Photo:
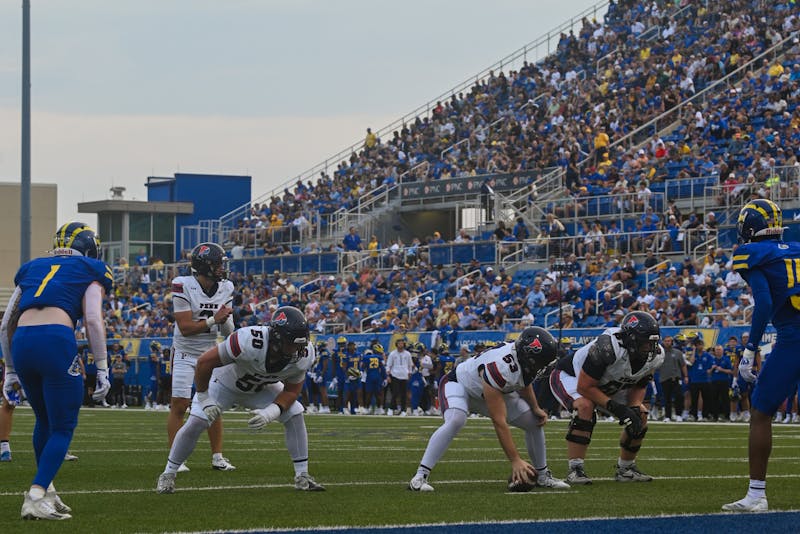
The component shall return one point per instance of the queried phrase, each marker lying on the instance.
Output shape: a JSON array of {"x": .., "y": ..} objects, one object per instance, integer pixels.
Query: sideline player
[
  {"x": 201, "y": 303},
  {"x": 772, "y": 269},
  {"x": 258, "y": 367},
  {"x": 497, "y": 384},
  {"x": 621, "y": 359},
  {"x": 51, "y": 294}
]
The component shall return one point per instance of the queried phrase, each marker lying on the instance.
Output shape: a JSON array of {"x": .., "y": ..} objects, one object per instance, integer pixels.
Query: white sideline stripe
[
  {"x": 323, "y": 528},
  {"x": 400, "y": 484}
]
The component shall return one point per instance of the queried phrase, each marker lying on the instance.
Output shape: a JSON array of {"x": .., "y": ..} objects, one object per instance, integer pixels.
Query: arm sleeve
[
  {"x": 95, "y": 326},
  {"x": 5, "y": 338},
  {"x": 600, "y": 356},
  {"x": 763, "y": 305}
]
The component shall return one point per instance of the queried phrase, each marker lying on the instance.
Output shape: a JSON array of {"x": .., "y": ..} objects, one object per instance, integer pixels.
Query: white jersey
[
  {"x": 607, "y": 355},
  {"x": 244, "y": 355},
  {"x": 498, "y": 367},
  {"x": 188, "y": 295}
]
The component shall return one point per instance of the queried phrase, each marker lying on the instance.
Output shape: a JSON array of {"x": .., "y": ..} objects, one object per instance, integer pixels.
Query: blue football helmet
[
  {"x": 76, "y": 238},
  {"x": 759, "y": 219}
]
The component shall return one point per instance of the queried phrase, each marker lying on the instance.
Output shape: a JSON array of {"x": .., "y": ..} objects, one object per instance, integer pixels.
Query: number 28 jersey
[
  {"x": 244, "y": 357},
  {"x": 497, "y": 367},
  {"x": 188, "y": 294}
]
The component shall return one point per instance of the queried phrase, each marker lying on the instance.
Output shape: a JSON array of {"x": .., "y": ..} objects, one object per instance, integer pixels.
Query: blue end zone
[{"x": 728, "y": 523}]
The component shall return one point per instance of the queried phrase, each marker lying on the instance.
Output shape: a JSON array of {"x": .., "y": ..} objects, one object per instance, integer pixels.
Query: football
[
  {"x": 353, "y": 373},
  {"x": 519, "y": 487}
]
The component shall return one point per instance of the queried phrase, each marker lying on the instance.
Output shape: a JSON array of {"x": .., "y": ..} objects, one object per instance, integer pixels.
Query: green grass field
[{"x": 366, "y": 462}]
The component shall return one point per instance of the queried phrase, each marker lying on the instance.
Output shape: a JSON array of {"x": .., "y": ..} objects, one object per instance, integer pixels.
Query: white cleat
[
  {"x": 547, "y": 480},
  {"x": 166, "y": 483},
  {"x": 40, "y": 509},
  {"x": 70, "y": 457},
  {"x": 419, "y": 483},
  {"x": 57, "y": 503},
  {"x": 747, "y": 505},
  {"x": 305, "y": 482},
  {"x": 223, "y": 464},
  {"x": 183, "y": 468}
]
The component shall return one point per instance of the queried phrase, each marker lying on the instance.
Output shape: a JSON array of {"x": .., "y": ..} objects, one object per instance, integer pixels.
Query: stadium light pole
[{"x": 25, "y": 164}]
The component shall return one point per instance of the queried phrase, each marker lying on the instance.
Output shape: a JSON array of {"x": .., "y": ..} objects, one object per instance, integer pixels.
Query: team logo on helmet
[
  {"x": 536, "y": 345},
  {"x": 203, "y": 250},
  {"x": 633, "y": 321},
  {"x": 280, "y": 319}
]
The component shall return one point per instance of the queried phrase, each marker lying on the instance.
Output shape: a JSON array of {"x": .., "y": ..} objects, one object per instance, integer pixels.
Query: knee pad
[
  {"x": 585, "y": 425},
  {"x": 626, "y": 443}
]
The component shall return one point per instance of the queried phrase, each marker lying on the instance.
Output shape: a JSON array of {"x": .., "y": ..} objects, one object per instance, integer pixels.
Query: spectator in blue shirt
[{"x": 721, "y": 373}]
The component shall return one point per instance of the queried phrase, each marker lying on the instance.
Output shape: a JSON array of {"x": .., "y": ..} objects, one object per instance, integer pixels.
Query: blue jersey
[
  {"x": 60, "y": 281},
  {"x": 165, "y": 363},
  {"x": 772, "y": 269},
  {"x": 373, "y": 365},
  {"x": 350, "y": 362},
  {"x": 446, "y": 364}
]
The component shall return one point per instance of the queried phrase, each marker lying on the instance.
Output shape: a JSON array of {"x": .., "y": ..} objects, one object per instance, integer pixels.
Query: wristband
[{"x": 210, "y": 322}]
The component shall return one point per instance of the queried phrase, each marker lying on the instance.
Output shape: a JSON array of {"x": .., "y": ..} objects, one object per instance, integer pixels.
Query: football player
[
  {"x": 351, "y": 363},
  {"x": 497, "y": 384},
  {"x": 202, "y": 306},
  {"x": 51, "y": 294},
  {"x": 154, "y": 363},
  {"x": 622, "y": 359},
  {"x": 164, "y": 379},
  {"x": 772, "y": 269},
  {"x": 372, "y": 365},
  {"x": 259, "y": 367}
]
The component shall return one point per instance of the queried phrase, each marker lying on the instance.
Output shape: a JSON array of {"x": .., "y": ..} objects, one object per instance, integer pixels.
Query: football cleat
[
  {"x": 5, "y": 456},
  {"x": 57, "y": 503},
  {"x": 305, "y": 482},
  {"x": 222, "y": 464},
  {"x": 40, "y": 509},
  {"x": 577, "y": 475},
  {"x": 183, "y": 468},
  {"x": 747, "y": 505},
  {"x": 419, "y": 483},
  {"x": 166, "y": 483},
  {"x": 631, "y": 474},
  {"x": 547, "y": 480},
  {"x": 70, "y": 457}
]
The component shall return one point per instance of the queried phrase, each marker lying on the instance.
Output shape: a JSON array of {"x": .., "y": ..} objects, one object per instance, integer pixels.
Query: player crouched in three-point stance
[
  {"x": 621, "y": 359},
  {"x": 772, "y": 269},
  {"x": 497, "y": 384},
  {"x": 37, "y": 335},
  {"x": 259, "y": 367},
  {"x": 202, "y": 308}
]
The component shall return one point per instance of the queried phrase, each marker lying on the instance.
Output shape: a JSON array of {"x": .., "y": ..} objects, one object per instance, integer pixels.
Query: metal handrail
[
  {"x": 560, "y": 309},
  {"x": 419, "y": 298},
  {"x": 606, "y": 287},
  {"x": 654, "y": 268}
]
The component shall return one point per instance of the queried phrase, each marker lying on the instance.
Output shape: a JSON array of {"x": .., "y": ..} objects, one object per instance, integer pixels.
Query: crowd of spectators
[{"x": 568, "y": 110}]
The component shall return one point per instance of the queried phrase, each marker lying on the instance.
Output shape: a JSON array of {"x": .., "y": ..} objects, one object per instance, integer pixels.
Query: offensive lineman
[
  {"x": 624, "y": 359},
  {"x": 497, "y": 384},
  {"x": 201, "y": 304},
  {"x": 258, "y": 367}
]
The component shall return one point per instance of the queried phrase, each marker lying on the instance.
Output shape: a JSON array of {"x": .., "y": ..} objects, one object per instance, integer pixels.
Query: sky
[{"x": 126, "y": 89}]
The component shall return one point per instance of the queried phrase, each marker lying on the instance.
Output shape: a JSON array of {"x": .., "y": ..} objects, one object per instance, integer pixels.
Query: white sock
[
  {"x": 216, "y": 456},
  {"x": 574, "y": 463},
  {"x": 625, "y": 463},
  {"x": 757, "y": 489},
  {"x": 36, "y": 492},
  {"x": 4, "y": 446}
]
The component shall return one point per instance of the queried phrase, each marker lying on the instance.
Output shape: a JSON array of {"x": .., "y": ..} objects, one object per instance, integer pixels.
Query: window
[
  {"x": 139, "y": 227},
  {"x": 164, "y": 227}
]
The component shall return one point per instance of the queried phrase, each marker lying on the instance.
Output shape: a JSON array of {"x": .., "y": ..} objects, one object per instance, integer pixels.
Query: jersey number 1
[
  {"x": 792, "y": 277},
  {"x": 53, "y": 270}
]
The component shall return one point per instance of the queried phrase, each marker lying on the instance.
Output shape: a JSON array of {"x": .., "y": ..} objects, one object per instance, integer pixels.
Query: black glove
[{"x": 628, "y": 417}]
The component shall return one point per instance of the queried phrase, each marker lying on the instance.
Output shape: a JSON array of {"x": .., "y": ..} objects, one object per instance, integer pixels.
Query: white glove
[
  {"x": 209, "y": 406},
  {"x": 102, "y": 387},
  {"x": 263, "y": 417},
  {"x": 12, "y": 389},
  {"x": 746, "y": 365},
  {"x": 318, "y": 379}
]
